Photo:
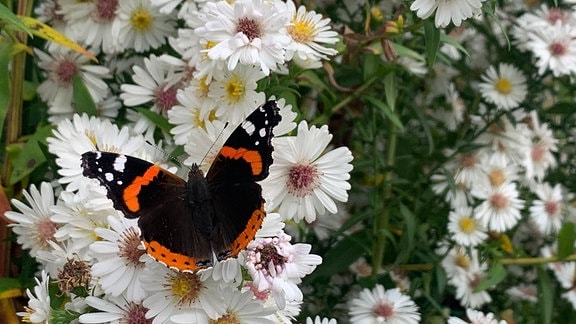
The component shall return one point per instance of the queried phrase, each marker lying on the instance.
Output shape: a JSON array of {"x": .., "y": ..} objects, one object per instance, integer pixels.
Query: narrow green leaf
[
  {"x": 5, "y": 56},
  {"x": 390, "y": 90},
  {"x": 545, "y": 296},
  {"x": 7, "y": 284},
  {"x": 566, "y": 239},
  {"x": 158, "y": 120},
  {"x": 12, "y": 21},
  {"x": 495, "y": 275},
  {"x": 31, "y": 156},
  {"x": 562, "y": 107},
  {"x": 406, "y": 52},
  {"x": 82, "y": 98},
  {"x": 407, "y": 243},
  {"x": 386, "y": 111},
  {"x": 432, "y": 36},
  {"x": 446, "y": 39}
]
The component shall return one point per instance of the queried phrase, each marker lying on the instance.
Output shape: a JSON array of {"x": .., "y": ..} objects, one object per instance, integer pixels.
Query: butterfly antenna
[
  {"x": 214, "y": 143},
  {"x": 170, "y": 156}
]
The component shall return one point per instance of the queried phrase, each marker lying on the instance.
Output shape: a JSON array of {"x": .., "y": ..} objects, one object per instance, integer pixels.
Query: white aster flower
[
  {"x": 464, "y": 228},
  {"x": 546, "y": 211},
  {"x": 82, "y": 134},
  {"x": 117, "y": 259},
  {"x": 238, "y": 307},
  {"x": 276, "y": 265},
  {"x": 476, "y": 317},
  {"x": 383, "y": 306},
  {"x": 191, "y": 112},
  {"x": 114, "y": 310},
  {"x": 171, "y": 293},
  {"x": 308, "y": 31},
  {"x": 447, "y": 11},
  {"x": 140, "y": 26},
  {"x": 235, "y": 92},
  {"x": 303, "y": 181},
  {"x": 554, "y": 48},
  {"x": 505, "y": 87},
  {"x": 61, "y": 67},
  {"x": 248, "y": 32},
  {"x": 527, "y": 292},
  {"x": 38, "y": 309},
  {"x": 320, "y": 320},
  {"x": 500, "y": 210},
  {"x": 33, "y": 226},
  {"x": 539, "y": 157}
]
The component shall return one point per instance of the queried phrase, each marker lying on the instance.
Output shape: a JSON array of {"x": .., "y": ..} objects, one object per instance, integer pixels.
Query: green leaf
[
  {"x": 7, "y": 284},
  {"x": 566, "y": 239},
  {"x": 5, "y": 57},
  {"x": 157, "y": 119},
  {"x": 31, "y": 155},
  {"x": 495, "y": 275},
  {"x": 407, "y": 243},
  {"x": 390, "y": 90},
  {"x": 406, "y": 52},
  {"x": 341, "y": 255},
  {"x": 432, "y": 36},
  {"x": 386, "y": 111},
  {"x": 562, "y": 107},
  {"x": 446, "y": 39},
  {"x": 12, "y": 21},
  {"x": 82, "y": 98},
  {"x": 545, "y": 296}
]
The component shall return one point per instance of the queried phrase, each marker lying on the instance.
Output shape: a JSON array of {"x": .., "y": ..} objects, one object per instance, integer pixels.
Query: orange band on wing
[
  {"x": 252, "y": 157},
  {"x": 131, "y": 192},
  {"x": 249, "y": 233},
  {"x": 174, "y": 260}
]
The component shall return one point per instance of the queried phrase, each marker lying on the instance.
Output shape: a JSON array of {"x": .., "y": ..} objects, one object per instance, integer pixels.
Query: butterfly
[{"x": 187, "y": 225}]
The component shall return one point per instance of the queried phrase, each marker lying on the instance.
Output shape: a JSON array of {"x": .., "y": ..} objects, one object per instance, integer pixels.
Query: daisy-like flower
[
  {"x": 524, "y": 292},
  {"x": 82, "y": 134},
  {"x": 276, "y": 265},
  {"x": 190, "y": 113},
  {"x": 114, "y": 310},
  {"x": 539, "y": 157},
  {"x": 118, "y": 253},
  {"x": 465, "y": 229},
  {"x": 33, "y": 224},
  {"x": 171, "y": 293},
  {"x": 466, "y": 289},
  {"x": 383, "y": 306},
  {"x": 61, "y": 66},
  {"x": 308, "y": 30},
  {"x": 248, "y": 32},
  {"x": 38, "y": 309},
  {"x": 235, "y": 92},
  {"x": 141, "y": 26},
  {"x": 239, "y": 307},
  {"x": 476, "y": 317},
  {"x": 303, "y": 182},
  {"x": 447, "y": 11},
  {"x": 501, "y": 207},
  {"x": 505, "y": 87},
  {"x": 320, "y": 320},
  {"x": 554, "y": 48},
  {"x": 546, "y": 211}
]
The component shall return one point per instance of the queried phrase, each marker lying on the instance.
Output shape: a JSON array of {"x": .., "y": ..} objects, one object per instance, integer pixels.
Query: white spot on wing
[
  {"x": 109, "y": 176},
  {"x": 262, "y": 132},
  {"x": 119, "y": 163},
  {"x": 248, "y": 127}
]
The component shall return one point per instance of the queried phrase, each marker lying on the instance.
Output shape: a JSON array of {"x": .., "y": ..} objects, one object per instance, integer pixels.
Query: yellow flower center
[
  {"x": 467, "y": 224},
  {"x": 226, "y": 319},
  {"x": 302, "y": 31},
  {"x": 141, "y": 19},
  {"x": 462, "y": 261},
  {"x": 235, "y": 88},
  {"x": 496, "y": 177},
  {"x": 185, "y": 286},
  {"x": 503, "y": 86}
]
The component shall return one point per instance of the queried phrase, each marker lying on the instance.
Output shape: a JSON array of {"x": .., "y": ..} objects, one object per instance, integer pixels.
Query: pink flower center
[
  {"x": 556, "y": 14},
  {"x": 249, "y": 27},
  {"x": 65, "y": 72},
  {"x": 499, "y": 201},
  {"x": 105, "y": 11},
  {"x": 46, "y": 229},
  {"x": 384, "y": 309},
  {"x": 166, "y": 97},
  {"x": 558, "y": 49},
  {"x": 552, "y": 207},
  {"x": 270, "y": 254},
  {"x": 136, "y": 314},
  {"x": 537, "y": 153},
  {"x": 129, "y": 244},
  {"x": 302, "y": 180}
]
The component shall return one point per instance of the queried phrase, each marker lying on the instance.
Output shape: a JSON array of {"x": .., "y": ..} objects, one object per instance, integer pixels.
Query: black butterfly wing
[
  {"x": 159, "y": 198},
  {"x": 236, "y": 197}
]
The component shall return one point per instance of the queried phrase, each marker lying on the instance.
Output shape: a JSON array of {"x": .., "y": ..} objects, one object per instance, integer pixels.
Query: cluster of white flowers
[{"x": 219, "y": 54}]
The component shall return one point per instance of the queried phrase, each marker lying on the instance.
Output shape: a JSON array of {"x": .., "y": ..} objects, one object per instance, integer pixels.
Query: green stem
[{"x": 14, "y": 115}]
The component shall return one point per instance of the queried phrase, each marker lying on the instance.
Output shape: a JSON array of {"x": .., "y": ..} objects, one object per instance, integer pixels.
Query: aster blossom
[
  {"x": 305, "y": 180},
  {"x": 447, "y": 11},
  {"x": 505, "y": 87},
  {"x": 383, "y": 306}
]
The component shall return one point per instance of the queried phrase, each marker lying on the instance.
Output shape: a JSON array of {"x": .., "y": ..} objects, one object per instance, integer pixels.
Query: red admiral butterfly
[{"x": 188, "y": 224}]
